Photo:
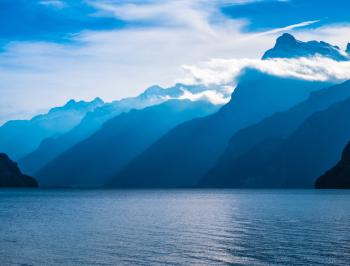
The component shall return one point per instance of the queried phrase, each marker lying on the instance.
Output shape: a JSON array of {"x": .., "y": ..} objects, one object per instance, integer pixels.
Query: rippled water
[{"x": 175, "y": 227}]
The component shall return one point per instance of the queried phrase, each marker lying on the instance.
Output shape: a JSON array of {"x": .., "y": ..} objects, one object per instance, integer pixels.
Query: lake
[{"x": 174, "y": 227}]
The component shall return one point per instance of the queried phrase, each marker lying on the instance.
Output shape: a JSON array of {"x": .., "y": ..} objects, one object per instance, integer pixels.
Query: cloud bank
[{"x": 226, "y": 71}]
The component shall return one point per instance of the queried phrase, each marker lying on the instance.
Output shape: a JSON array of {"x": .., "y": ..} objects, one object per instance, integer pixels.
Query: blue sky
[
  {"x": 57, "y": 20},
  {"x": 275, "y": 14},
  {"x": 57, "y": 50},
  {"x": 31, "y": 20}
]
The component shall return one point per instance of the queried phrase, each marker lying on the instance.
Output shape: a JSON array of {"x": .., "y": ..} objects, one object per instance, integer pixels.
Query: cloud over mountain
[{"x": 223, "y": 71}]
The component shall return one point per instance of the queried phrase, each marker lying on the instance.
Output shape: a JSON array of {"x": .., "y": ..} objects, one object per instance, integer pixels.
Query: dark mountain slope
[
  {"x": 279, "y": 125},
  {"x": 11, "y": 176},
  {"x": 295, "y": 161},
  {"x": 338, "y": 176}
]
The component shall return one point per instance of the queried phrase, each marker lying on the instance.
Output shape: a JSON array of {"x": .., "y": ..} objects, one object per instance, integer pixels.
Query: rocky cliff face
[
  {"x": 339, "y": 175},
  {"x": 11, "y": 175}
]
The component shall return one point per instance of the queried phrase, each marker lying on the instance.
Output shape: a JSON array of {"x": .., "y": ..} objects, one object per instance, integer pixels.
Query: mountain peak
[
  {"x": 287, "y": 46},
  {"x": 155, "y": 89},
  {"x": 81, "y": 104},
  {"x": 286, "y": 40},
  {"x": 71, "y": 102},
  {"x": 97, "y": 100}
]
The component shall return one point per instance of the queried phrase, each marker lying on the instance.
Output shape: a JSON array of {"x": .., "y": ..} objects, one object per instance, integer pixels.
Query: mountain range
[
  {"x": 93, "y": 161},
  {"x": 19, "y": 137},
  {"x": 52, "y": 147},
  {"x": 198, "y": 144},
  {"x": 273, "y": 132}
]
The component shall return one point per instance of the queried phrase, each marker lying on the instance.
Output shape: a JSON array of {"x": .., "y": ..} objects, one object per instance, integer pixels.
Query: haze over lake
[{"x": 175, "y": 227}]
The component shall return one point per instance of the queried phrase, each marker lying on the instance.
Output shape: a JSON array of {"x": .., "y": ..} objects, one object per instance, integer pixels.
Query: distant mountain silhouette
[
  {"x": 20, "y": 137},
  {"x": 50, "y": 148},
  {"x": 263, "y": 135},
  {"x": 338, "y": 176},
  {"x": 187, "y": 152},
  {"x": 294, "y": 161},
  {"x": 174, "y": 153},
  {"x": 288, "y": 47},
  {"x": 11, "y": 176},
  {"x": 93, "y": 161}
]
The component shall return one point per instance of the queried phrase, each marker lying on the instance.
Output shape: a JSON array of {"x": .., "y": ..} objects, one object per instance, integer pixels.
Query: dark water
[{"x": 184, "y": 227}]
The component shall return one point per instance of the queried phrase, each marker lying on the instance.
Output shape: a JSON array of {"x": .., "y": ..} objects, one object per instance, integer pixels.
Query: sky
[{"x": 55, "y": 50}]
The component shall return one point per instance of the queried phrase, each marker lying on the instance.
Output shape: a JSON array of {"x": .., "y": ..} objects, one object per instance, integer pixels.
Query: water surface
[{"x": 175, "y": 227}]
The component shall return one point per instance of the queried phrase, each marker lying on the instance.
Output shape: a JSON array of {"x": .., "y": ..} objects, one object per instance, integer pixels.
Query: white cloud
[
  {"x": 214, "y": 96},
  {"x": 224, "y": 71},
  {"x": 288, "y": 28},
  {"x": 165, "y": 13}
]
